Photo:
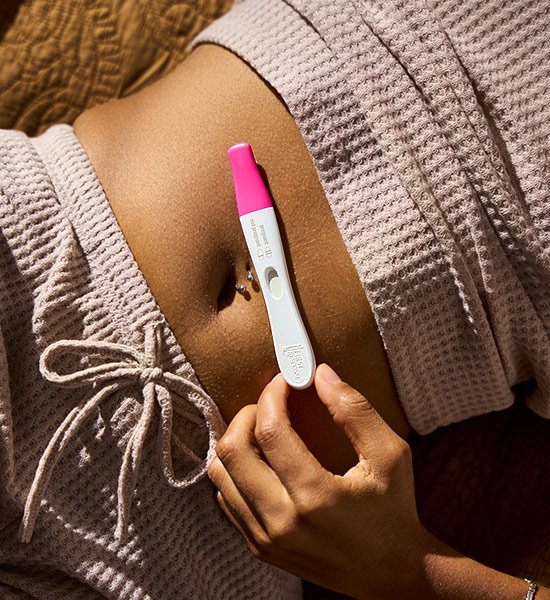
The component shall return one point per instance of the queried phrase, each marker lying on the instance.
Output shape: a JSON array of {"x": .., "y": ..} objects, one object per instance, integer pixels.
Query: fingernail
[{"x": 326, "y": 373}]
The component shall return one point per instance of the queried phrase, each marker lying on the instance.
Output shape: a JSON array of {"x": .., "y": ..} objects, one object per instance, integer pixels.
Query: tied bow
[{"x": 123, "y": 367}]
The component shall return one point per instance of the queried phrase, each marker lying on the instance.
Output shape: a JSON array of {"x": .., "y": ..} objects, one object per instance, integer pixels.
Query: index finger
[{"x": 283, "y": 448}]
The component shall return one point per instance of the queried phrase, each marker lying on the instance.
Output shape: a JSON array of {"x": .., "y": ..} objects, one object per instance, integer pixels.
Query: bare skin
[
  {"x": 161, "y": 156},
  {"x": 359, "y": 533}
]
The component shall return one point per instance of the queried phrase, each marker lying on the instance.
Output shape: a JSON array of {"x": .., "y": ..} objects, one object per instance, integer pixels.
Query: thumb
[{"x": 352, "y": 412}]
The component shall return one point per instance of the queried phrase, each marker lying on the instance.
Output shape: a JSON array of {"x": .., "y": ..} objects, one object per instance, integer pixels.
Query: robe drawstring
[{"x": 123, "y": 367}]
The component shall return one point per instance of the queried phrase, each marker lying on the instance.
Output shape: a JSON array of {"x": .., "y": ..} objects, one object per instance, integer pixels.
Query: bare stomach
[{"x": 161, "y": 156}]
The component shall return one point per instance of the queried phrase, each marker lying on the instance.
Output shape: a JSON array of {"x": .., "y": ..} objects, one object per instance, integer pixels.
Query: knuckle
[
  {"x": 267, "y": 433},
  {"x": 227, "y": 449},
  {"x": 352, "y": 402},
  {"x": 405, "y": 450},
  {"x": 283, "y": 530},
  {"x": 213, "y": 469},
  {"x": 399, "y": 450},
  {"x": 238, "y": 434},
  {"x": 316, "y": 499},
  {"x": 307, "y": 508},
  {"x": 246, "y": 412},
  {"x": 216, "y": 476},
  {"x": 398, "y": 466}
]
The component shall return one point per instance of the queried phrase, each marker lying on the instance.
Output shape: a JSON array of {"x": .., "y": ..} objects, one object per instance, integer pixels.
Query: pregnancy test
[{"x": 259, "y": 223}]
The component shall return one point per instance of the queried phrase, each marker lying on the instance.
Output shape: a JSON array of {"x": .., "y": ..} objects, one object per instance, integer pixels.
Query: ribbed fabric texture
[
  {"x": 93, "y": 381},
  {"x": 428, "y": 123}
]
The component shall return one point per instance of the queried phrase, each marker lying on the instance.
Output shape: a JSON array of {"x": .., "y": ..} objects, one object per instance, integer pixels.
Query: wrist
[
  {"x": 406, "y": 575},
  {"x": 448, "y": 575}
]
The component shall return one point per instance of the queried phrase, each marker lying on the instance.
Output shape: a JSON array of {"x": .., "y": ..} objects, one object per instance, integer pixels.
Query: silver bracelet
[{"x": 532, "y": 591}]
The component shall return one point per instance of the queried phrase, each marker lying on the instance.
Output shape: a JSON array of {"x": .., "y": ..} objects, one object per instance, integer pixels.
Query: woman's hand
[{"x": 358, "y": 533}]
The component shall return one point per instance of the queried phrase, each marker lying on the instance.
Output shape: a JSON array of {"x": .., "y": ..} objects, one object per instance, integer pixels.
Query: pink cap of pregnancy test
[{"x": 250, "y": 189}]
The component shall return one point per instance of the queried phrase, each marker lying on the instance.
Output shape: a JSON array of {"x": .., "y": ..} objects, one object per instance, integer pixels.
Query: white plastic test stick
[{"x": 259, "y": 223}]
